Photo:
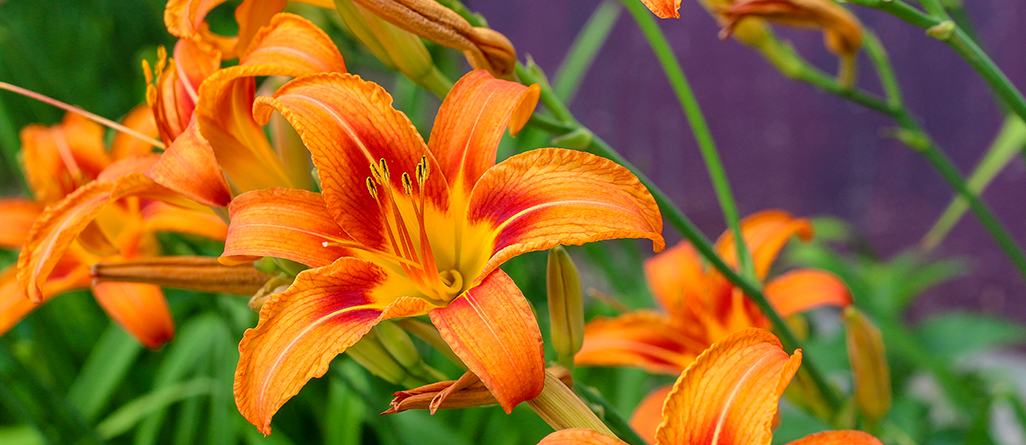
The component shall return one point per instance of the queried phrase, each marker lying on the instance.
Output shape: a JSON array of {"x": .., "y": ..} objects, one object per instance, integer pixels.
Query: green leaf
[
  {"x": 21, "y": 435},
  {"x": 135, "y": 411},
  {"x": 108, "y": 364},
  {"x": 956, "y": 334},
  {"x": 584, "y": 49}
]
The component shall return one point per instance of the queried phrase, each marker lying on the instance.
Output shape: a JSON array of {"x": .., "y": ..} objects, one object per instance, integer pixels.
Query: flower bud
[
  {"x": 184, "y": 272},
  {"x": 398, "y": 344},
  {"x": 566, "y": 305},
  {"x": 466, "y": 392},
  {"x": 370, "y": 354},
  {"x": 872, "y": 379}
]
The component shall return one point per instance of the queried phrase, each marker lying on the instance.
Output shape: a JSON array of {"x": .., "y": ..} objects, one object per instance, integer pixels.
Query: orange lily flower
[
  {"x": 728, "y": 396},
  {"x": 703, "y": 307},
  {"x": 405, "y": 228},
  {"x": 63, "y": 165},
  {"x": 205, "y": 113}
]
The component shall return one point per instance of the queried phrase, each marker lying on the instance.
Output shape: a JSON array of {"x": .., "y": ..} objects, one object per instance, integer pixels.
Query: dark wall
[{"x": 786, "y": 145}]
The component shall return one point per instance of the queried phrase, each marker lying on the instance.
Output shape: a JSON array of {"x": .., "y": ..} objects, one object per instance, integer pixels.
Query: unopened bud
[
  {"x": 370, "y": 354},
  {"x": 466, "y": 392},
  {"x": 871, "y": 375},
  {"x": 184, "y": 272},
  {"x": 273, "y": 286},
  {"x": 398, "y": 344},
  {"x": 566, "y": 305}
]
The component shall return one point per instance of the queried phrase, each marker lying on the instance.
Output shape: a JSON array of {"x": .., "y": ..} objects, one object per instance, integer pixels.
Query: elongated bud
[
  {"x": 395, "y": 47},
  {"x": 872, "y": 377},
  {"x": 273, "y": 286},
  {"x": 566, "y": 305},
  {"x": 562, "y": 409},
  {"x": 483, "y": 47},
  {"x": 398, "y": 344},
  {"x": 184, "y": 272}
]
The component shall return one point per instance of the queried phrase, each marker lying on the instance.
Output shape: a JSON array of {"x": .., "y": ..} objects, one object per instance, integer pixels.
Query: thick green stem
[{"x": 682, "y": 88}]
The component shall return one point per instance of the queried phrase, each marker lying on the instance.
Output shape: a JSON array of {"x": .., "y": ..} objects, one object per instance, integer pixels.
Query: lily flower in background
[
  {"x": 65, "y": 164},
  {"x": 702, "y": 306},
  {"x": 205, "y": 113},
  {"x": 745, "y": 19},
  {"x": 403, "y": 228},
  {"x": 729, "y": 395}
]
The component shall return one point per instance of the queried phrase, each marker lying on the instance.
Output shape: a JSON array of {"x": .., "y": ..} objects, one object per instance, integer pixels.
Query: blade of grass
[
  {"x": 130, "y": 414},
  {"x": 108, "y": 364},
  {"x": 583, "y": 50}
]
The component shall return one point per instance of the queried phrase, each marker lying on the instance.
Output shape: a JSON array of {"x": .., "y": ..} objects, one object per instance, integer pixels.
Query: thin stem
[
  {"x": 609, "y": 415},
  {"x": 671, "y": 66},
  {"x": 584, "y": 49},
  {"x": 73, "y": 109}
]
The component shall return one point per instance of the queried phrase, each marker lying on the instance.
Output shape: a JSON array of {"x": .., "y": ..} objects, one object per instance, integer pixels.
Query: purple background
[{"x": 786, "y": 145}]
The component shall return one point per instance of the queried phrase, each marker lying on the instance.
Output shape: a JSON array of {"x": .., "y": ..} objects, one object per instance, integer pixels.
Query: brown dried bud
[
  {"x": 466, "y": 392},
  {"x": 184, "y": 272}
]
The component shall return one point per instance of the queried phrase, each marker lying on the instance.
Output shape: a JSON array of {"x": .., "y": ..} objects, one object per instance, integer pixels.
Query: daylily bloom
[
  {"x": 65, "y": 164},
  {"x": 702, "y": 307},
  {"x": 205, "y": 113},
  {"x": 403, "y": 228},
  {"x": 728, "y": 396}
]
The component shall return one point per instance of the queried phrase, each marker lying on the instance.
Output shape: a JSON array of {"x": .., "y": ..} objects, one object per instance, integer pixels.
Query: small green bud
[
  {"x": 566, "y": 305},
  {"x": 370, "y": 354},
  {"x": 398, "y": 344},
  {"x": 942, "y": 30}
]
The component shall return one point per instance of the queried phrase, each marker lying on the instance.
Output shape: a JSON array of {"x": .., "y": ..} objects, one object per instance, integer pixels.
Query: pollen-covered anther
[{"x": 407, "y": 185}]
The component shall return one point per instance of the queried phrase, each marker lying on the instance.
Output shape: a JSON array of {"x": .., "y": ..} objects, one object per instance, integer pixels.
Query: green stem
[
  {"x": 609, "y": 415},
  {"x": 682, "y": 88}
]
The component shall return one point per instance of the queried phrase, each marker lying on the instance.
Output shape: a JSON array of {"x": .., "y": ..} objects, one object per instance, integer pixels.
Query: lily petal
[
  {"x": 765, "y": 233},
  {"x": 645, "y": 339},
  {"x": 676, "y": 278},
  {"x": 648, "y": 414},
  {"x": 551, "y": 196},
  {"x": 302, "y": 329},
  {"x": 471, "y": 122},
  {"x": 61, "y": 158},
  {"x": 283, "y": 223},
  {"x": 251, "y": 16},
  {"x": 139, "y": 308},
  {"x": 289, "y": 46},
  {"x": 186, "y": 19},
  {"x": 492, "y": 328},
  {"x": 664, "y": 9},
  {"x": 161, "y": 217},
  {"x": 189, "y": 167},
  {"x": 579, "y": 436},
  {"x": 730, "y": 394},
  {"x": 843, "y": 437},
  {"x": 349, "y": 124},
  {"x": 800, "y": 290},
  {"x": 17, "y": 215},
  {"x": 58, "y": 226}
]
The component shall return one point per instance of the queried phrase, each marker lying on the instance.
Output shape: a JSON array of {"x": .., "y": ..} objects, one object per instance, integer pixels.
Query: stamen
[
  {"x": 73, "y": 109},
  {"x": 372, "y": 188},
  {"x": 384, "y": 168}
]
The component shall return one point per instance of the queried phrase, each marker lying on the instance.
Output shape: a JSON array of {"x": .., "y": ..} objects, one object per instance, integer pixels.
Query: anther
[
  {"x": 407, "y": 185},
  {"x": 372, "y": 188},
  {"x": 384, "y": 168}
]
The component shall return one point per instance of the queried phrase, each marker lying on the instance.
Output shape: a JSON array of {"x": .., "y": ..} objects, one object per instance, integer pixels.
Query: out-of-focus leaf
[
  {"x": 343, "y": 415},
  {"x": 956, "y": 334},
  {"x": 188, "y": 421},
  {"x": 104, "y": 370},
  {"x": 122, "y": 420},
  {"x": 582, "y": 52},
  {"x": 21, "y": 435}
]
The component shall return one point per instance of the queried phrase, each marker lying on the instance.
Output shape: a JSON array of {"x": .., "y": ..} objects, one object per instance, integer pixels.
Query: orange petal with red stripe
[
  {"x": 139, "y": 308},
  {"x": 645, "y": 339},
  {"x": 283, "y": 223},
  {"x": 302, "y": 329},
  {"x": 676, "y": 278},
  {"x": 730, "y": 394},
  {"x": 551, "y": 196},
  {"x": 648, "y": 415},
  {"x": 492, "y": 328},
  {"x": 349, "y": 124},
  {"x": 18, "y": 214},
  {"x": 579, "y": 436},
  {"x": 800, "y": 290},
  {"x": 843, "y": 437},
  {"x": 471, "y": 121}
]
